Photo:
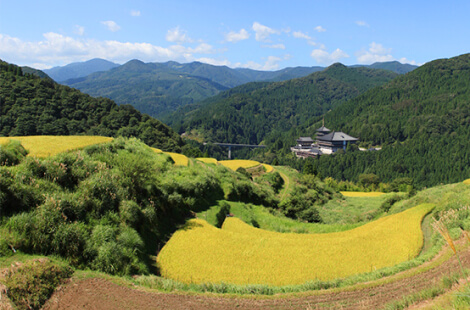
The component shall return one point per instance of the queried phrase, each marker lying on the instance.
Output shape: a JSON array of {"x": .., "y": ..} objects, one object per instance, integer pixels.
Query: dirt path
[
  {"x": 285, "y": 190},
  {"x": 98, "y": 293}
]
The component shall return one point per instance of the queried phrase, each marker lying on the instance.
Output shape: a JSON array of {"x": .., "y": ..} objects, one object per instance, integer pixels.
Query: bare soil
[{"x": 98, "y": 293}]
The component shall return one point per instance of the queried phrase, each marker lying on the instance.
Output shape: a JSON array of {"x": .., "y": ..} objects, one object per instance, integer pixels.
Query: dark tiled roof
[
  {"x": 305, "y": 139},
  {"x": 337, "y": 136},
  {"x": 323, "y": 128}
]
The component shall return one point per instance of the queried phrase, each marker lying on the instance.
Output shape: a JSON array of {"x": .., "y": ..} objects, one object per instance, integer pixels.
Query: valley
[{"x": 124, "y": 209}]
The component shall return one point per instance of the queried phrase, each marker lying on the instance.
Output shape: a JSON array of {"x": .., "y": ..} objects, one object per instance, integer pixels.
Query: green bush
[
  {"x": 130, "y": 213},
  {"x": 388, "y": 203},
  {"x": 222, "y": 214},
  {"x": 29, "y": 285},
  {"x": 12, "y": 153}
]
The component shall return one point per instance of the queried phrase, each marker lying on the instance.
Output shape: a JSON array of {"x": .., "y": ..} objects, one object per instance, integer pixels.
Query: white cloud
[
  {"x": 323, "y": 57},
  {"x": 215, "y": 62},
  {"x": 375, "y": 53},
  {"x": 177, "y": 35},
  {"x": 233, "y": 36},
  {"x": 272, "y": 63},
  {"x": 301, "y": 35},
  {"x": 378, "y": 53},
  {"x": 362, "y": 23},
  {"x": 112, "y": 26},
  {"x": 320, "y": 29},
  {"x": 262, "y": 32},
  {"x": 404, "y": 60},
  {"x": 56, "y": 49},
  {"x": 276, "y": 46},
  {"x": 135, "y": 13},
  {"x": 80, "y": 30}
]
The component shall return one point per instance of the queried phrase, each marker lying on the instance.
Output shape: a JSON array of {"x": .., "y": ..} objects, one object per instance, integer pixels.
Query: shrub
[
  {"x": 29, "y": 285},
  {"x": 12, "y": 153},
  {"x": 15, "y": 195},
  {"x": 130, "y": 213},
  {"x": 222, "y": 214},
  {"x": 388, "y": 203}
]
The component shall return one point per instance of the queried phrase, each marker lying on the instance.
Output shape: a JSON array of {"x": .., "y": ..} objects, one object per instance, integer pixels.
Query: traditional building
[
  {"x": 327, "y": 142},
  {"x": 334, "y": 141}
]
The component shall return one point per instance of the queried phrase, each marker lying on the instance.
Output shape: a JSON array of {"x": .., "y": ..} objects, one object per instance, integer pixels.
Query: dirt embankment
[{"x": 102, "y": 294}]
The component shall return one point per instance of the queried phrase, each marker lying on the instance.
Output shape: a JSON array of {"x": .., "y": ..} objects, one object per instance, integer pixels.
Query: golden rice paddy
[
  {"x": 467, "y": 181},
  {"x": 268, "y": 168},
  {"x": 241, "y": 254},
  {"x": 207, "y": 160},
  {"x": 236, "y": 163},
  {"x": 362, "y": 194},
  {"x": 179, "y": 159},
  {"x": 43, "y": 146}
]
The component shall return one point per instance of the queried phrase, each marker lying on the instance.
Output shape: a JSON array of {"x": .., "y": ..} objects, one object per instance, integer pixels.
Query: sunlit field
[
  {"x": 268, "y": 168},
  {"x": 179, "y": 159},
  {"x": 237, "y": 163},
  {"x": 43, "y": 146},
  {"x": 241, "y": 254},
  {"x": 362, "y": 194},
  {"x": 207, "y": 160}
]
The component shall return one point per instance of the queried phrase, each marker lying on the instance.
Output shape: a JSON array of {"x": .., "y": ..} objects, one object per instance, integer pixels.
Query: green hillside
[
  {"x": 30, "y": 105},
  {"x": 254, "y": 112},
  {"x": 422, "y": 120},
  {"x": 79, "y": 69},
  {"x": 154, "y": 89}
]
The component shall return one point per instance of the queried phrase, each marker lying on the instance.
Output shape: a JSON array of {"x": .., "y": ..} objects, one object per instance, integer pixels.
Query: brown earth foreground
[{"x": 97, "y": 293}]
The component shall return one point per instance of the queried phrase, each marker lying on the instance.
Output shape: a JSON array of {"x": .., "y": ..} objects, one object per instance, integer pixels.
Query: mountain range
[
  {"x": 160, "y": 88},
  {"x": 79, "y": 69}
]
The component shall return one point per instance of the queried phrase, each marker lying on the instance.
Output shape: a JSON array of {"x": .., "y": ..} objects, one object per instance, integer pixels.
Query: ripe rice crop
[
  {"x": 268, "y": 168},
  {"x": 467, "y": 181},
  {"x": 207, "y": 160},
  {"x": 179, "y": 159},
  {"x": 235, "y": 164},
  {"x": 241, "y": 254},
  {"x": 43, "y": 146},
  {"x": 362, "y": 194}
]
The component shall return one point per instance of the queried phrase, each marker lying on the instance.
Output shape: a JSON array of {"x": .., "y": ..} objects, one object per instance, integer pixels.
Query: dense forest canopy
[
  {"x": 422, "y": 120},
  {"x": 30, "y": 105},
  {"x": 253, "y": 115}
]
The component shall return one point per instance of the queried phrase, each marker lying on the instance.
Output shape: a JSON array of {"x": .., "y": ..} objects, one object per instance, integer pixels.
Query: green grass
[
  {"x": 273, "y": 221},
  {"x": 352, "y": 209}
]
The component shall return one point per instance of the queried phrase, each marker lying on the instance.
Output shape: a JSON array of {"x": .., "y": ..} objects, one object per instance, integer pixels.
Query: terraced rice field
[
  {"x": 241, "y": 254},
  {"x": 362, "y": 194},
  {"x": 207, "y": 160},
  {"x": 179, "y": 159},
  {"x": 43, "y": 146},
  {"x": 236, "y": 163}
]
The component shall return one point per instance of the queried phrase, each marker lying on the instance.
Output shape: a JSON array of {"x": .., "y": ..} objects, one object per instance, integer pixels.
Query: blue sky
[{"x": 263, "y": 35}]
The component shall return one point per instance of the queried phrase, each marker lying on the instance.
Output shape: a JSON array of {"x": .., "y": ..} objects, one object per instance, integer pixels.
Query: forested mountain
[
  {"x": 394, "y": 66},
  {"x": 422, "y": 120},
  {"x": 30, "y": 105},
  {"x": 151, "y": 88},
  {"x": 160, "y": 88},
  {"x": 254, "y": 112},
  {"x": 79, "y": 69}
]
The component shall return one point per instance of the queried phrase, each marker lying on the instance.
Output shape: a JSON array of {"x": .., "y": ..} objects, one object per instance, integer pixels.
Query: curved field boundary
[
  {"x": 207, "y": 160},
  {"x": 179, "y": 159},
  {"x": 268, "y": 168},
  {"x": 105, "y": 294},
  {"x": 44, "y": 146},
  {"x": 237, "y": 163},
  {"x": 362, "y": 194},
  {"x": 241, "y": 254}
]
